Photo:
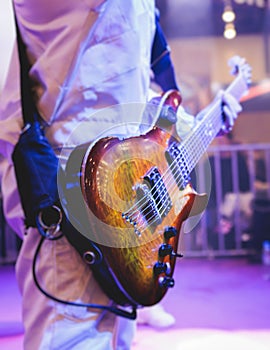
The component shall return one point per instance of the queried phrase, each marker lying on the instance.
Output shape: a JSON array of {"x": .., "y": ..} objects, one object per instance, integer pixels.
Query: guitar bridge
[{"x": 148, "y": 205}]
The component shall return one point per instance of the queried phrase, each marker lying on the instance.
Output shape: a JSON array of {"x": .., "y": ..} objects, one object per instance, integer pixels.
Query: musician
[{"x": 84, "y": 56}]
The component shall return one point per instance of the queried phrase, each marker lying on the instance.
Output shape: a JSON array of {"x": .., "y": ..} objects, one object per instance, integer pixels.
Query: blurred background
[{"x": 203, "y": 35}]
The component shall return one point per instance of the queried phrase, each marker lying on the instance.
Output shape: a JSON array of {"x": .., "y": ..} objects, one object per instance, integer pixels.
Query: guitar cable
[{"x": 114, "y": 309}]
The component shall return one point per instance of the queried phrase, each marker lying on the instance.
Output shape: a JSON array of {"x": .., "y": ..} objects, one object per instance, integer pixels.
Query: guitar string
[
  {"x": 175, "y": 164},
  {"x": 172, "y": 167},
  {"x": 172, "y": 187},
  {"x": 168, "y": 175},
  {"x": 238, "y": 86},
  {"x": 203, "y": 136}
]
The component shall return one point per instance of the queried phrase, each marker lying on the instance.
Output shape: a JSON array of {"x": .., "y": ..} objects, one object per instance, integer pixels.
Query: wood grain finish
[{"x": 110, "y": 173}]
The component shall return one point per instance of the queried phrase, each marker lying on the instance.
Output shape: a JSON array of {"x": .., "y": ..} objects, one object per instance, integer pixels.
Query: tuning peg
[
  {"x": 164, "y": 250},
  {"x": 160, "y": 267},
  {"x": 166, "y": 282},
  {"x": 167, "y": 249},
  {"x": 169, "y": 232},
  {"x": 177, "y": 255}
]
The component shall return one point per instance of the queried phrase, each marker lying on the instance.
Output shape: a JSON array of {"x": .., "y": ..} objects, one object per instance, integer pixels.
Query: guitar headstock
[{"x": 240, "y": 66}]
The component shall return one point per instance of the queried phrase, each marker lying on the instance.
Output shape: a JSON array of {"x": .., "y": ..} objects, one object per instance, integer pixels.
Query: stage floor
[{"x": 218, "y": 304}]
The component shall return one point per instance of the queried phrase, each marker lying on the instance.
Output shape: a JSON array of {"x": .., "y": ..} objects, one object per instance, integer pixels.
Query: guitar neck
[{"x": 199, "y": 139}]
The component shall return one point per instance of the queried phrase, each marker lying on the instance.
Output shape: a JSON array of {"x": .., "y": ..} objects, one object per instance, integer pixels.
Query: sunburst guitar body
[{"x": 137, "y": 209}]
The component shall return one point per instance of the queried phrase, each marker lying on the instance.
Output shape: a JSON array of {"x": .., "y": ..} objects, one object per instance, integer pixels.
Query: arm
[
  {"x": 161, "y": 62},
  {"x": 164, "y": 76}
]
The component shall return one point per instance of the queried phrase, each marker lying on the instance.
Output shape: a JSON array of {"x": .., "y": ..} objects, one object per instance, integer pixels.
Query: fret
[{"x": 196, "y": 143}]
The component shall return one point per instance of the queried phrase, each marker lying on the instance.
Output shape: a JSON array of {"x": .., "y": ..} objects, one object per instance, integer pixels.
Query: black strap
[{"x": 29, "y": 111}]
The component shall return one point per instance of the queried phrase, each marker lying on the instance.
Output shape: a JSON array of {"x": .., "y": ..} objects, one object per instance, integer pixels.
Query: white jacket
[{"x": 85, "y": 55}]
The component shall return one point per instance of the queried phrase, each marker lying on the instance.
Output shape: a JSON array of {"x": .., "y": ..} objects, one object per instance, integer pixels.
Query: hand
[{"x": 230, "y": 110}]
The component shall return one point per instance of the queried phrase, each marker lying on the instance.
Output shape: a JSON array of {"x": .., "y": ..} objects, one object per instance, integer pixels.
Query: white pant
[{"x": 50, "y": 325}]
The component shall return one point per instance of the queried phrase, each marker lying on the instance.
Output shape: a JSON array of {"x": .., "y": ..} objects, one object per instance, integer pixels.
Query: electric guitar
[{"x": 134, "y": 195}]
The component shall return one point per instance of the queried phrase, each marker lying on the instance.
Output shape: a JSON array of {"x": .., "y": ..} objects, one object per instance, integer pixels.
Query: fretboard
[{"x": 201, "y": 136}]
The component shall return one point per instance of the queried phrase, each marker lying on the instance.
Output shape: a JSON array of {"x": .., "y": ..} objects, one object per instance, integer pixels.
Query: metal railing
[{"x": 237, "y": 218}]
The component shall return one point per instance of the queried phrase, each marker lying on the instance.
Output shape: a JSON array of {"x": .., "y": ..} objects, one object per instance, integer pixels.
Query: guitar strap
[
  {"x": 29, "y": 111},
  {"x": 36, "y": 168},
  {"x": 35, "y": 162}
]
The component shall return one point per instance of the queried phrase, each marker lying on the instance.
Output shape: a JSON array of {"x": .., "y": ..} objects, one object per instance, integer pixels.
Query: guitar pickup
[
  {"x": 158, "y": 191},
  {"x": 152, "y": 201}
]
